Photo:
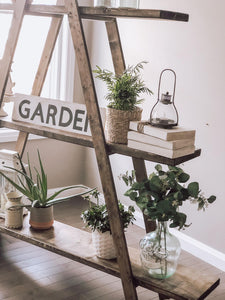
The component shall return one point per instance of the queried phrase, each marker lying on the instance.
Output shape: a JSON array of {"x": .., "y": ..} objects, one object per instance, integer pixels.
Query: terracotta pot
[
  {"x": 103, "y": 244},
  {"x": 41, "y": 218},
  {"x": 117, "y": 124}
]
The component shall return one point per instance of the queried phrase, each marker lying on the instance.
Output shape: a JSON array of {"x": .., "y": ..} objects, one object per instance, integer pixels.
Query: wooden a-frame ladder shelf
[{"x": 63, "y": 239}]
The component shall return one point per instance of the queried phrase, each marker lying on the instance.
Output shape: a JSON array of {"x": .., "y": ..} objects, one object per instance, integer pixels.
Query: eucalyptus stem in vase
[{"x": 160, "y": 197}]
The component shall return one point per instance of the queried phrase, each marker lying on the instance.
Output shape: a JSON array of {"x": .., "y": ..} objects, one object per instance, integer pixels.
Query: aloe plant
[{"x": 37, "y": 191}]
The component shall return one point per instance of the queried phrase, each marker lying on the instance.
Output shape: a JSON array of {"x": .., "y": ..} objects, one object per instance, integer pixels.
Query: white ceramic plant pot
[
  {"x": 41, "y": 218},
  {"x": 103, "y": 244}
]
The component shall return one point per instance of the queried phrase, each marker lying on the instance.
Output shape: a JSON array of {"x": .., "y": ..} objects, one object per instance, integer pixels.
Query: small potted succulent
[
  {"x": 96, "y": 218},
  {"x": 123, "y": 96},
  {"x": 41, "y": 204},
  {"x": 160, "y": 197}
]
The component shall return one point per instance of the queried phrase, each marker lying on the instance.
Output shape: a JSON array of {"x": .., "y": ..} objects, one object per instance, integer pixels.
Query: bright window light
[
  {"x": 59, "y": 80},
  {"x": 5, "y": 22}
]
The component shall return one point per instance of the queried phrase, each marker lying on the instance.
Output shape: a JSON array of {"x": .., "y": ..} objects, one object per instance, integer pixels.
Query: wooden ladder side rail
[
  {"x": 119, "y": 66},
  {"x": 10, "y": 46},
  {"x": 42, "y": 70},
  {"x": 141, "y": 174},
  {"x": 100, "y": 149}
]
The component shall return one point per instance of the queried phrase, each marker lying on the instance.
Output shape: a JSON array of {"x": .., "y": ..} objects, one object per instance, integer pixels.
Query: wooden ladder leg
[
  {"x": 42, "y": 70},
  {"x": 119, "y": 66},
  {"x": 115, "y": 46},
  {"x": 100, "y": 149},
  {"x": 10, "y": 46},
  {"x": 141, "y": 174},
  {"x": 21, "y": 142}
]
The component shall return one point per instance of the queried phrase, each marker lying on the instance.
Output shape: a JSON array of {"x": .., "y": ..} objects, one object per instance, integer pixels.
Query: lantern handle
[{"x": 160, "y": 78}]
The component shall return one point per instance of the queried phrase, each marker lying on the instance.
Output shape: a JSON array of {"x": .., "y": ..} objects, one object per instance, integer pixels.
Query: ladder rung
[
  {"x": 99, "y": 12},
  {"x": 39, "y": 10}
]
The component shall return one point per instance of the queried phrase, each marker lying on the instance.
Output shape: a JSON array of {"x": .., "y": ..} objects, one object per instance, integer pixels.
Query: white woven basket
[{"x": 104, "y": 245}]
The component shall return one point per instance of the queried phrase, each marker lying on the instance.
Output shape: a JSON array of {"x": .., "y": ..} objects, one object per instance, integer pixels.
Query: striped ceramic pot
[{"x": 41, "y": 218}]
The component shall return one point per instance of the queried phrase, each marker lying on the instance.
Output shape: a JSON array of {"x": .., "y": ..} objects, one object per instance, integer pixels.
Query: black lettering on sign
[
  {"x": 38, "y": 113},
  {"x": 86, "y": 124},
  {"x": 24, "y": 113},
  {"x": 51, "y": 113},
  {"x": 77, "y": 119},
  {"x": 62, "y": 114}
]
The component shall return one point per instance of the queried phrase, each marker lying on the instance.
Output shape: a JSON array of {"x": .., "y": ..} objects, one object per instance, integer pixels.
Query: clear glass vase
[{"x": 159, "y": 252}]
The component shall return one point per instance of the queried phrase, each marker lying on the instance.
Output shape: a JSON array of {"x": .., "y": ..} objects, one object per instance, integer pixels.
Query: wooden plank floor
[{"x": 28, "y": 272}]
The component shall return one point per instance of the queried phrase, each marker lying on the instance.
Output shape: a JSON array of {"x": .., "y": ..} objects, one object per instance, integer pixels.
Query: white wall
[
  {"x": 63, "y": 162},
  {"x": 195, "y": 50}
]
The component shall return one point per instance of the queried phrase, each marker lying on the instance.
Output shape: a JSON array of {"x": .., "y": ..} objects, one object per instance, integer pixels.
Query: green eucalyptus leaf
[
  {"x": 193, "y": 189},
  {"x": 180, "y": 220},
  {"x": 132, "y": 194},
  {"x": 178, "y": 195},
  {"x": 158, "y": 168},
  {"x": 185, "y": 193},
  {"x": 155, "y": 184},
  {"x": 211, "y": 199},
  {"x": 183, "y": 177},
  {"x": 138, "y": 185}
]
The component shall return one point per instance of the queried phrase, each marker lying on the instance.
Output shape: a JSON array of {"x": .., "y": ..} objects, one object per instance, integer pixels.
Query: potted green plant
[
  {"x": 160, "y": 197},
  {"x": 123, "y": 97},
  {"x": 41, "y": 204},
  {"x": 96, "y": 218}
]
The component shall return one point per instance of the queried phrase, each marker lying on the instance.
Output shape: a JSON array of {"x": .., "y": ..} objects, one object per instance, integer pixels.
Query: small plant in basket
[{"x": 97, "y": 219}]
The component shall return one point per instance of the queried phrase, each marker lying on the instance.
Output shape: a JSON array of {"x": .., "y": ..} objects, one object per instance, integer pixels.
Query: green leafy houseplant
[
  {"x": 160, "y": 197},
  {"x": 162, "y": 194},
  {"x": 96, "y": 216},
  {"x": 124, "y": 89},
  {"x": 36, "y": 191},
  {"x": 123, "y": 97},
  {"x": 97, "y": 219}
]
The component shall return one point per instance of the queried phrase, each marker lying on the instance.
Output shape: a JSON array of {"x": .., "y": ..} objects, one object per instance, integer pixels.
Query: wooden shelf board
[
  {"x": 51, "y": 133},
  {"x": 124, "y": 150},
  {"x": 100, "y": 13},
  {"x": 75, "y": 244},
  {"x": 86, "y": 141}
]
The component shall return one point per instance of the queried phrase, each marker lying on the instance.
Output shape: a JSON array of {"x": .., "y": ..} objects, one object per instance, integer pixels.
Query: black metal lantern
[{"x": 164, "y": 113}]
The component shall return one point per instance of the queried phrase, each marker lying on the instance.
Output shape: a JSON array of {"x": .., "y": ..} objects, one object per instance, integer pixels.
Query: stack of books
[{"x": 171, "y": 143}]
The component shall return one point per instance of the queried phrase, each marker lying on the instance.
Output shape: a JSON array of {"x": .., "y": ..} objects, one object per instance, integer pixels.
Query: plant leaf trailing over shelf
[
  {"x": 163, "y": 193},
  {"x": 124, "y": 89}
]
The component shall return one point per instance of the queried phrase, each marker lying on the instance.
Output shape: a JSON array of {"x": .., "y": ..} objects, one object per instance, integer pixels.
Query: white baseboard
[{"x": 194, "y": 247}]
